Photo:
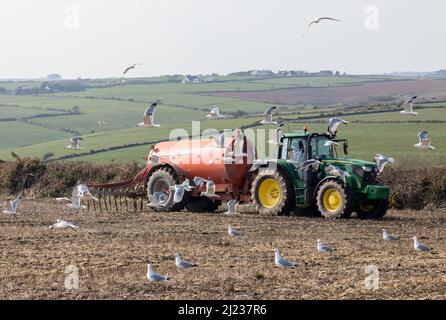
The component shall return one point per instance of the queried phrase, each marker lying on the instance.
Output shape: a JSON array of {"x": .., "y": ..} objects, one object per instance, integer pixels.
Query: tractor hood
[{"x": 349, "y": 161}]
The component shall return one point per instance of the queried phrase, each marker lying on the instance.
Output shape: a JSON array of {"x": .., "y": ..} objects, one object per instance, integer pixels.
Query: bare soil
[
  {"x": 370, "y": 92},
  {"x": 111, "y": 251}
]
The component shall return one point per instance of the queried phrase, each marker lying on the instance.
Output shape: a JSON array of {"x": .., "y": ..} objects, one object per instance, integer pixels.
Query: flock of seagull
[{"x": 279, "y": 260}]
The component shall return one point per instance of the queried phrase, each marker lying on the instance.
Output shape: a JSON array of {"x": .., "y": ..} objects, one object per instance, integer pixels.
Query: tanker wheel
[
  {"x": 273, "y": 194},
  {"x": 160, "y": 181},
  {"x": 333, "y": 201},
  {"x": 199, "y": 205},
  {"x": 372, "y": 209}
]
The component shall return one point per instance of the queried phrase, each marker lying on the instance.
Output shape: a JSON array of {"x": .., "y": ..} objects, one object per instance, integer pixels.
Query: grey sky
[{"x": 204, "y": 36}]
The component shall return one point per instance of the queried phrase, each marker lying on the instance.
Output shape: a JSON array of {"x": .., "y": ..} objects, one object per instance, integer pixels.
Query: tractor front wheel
[
  {"x": 372, "y": 209},
  {"x": 272, "y": 193},
  {"x": 332, "y": 200}
]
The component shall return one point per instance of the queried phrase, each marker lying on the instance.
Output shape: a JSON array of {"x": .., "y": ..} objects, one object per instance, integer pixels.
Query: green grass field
[{"x": 182, "y": 103}]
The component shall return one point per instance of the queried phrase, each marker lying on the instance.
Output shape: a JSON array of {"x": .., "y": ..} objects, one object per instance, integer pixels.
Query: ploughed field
[{"x": 111, "y": 251}]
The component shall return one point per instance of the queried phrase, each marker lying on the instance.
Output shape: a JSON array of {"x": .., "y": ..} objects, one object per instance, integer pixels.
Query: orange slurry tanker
[{"x": 276, "y": 186}]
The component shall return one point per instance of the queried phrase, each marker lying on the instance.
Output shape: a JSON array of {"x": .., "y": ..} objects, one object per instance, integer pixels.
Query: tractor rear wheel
[
  {"x": 272, "y": 193},
  {"x": 198, "y": 205},
  {"x": 372, "y": 209},
  {"x": 161, "y": 181},
  {"x": 333, "y": 201}
]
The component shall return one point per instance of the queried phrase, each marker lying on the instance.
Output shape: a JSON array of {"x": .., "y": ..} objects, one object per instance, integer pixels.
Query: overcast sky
[{"x": 98, "y": 38}]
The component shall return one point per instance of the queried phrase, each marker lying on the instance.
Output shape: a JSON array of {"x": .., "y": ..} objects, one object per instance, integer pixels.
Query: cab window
[
  {"x": 297, "y": 150},
  {"x": 319, "y": 150}
]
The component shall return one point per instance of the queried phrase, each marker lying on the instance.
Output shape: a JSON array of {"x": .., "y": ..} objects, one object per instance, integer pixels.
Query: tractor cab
[{"x": 302, "y": 146}]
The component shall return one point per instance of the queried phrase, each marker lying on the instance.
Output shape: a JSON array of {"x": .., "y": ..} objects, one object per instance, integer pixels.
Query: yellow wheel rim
[
  {"x": 332, "y": 200},
  {"x": 269, "y": 193},
  {"x": 366, "y": 207}
]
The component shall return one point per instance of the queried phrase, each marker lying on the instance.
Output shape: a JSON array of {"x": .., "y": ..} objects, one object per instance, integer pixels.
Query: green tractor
[{"x": 316, "y": 188}]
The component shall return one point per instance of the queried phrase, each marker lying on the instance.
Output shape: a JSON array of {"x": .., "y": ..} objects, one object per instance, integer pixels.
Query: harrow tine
[
  {"x": 105, "y": 202},
  {"x": 135, "y": 205},
  {"x": 116, "y": 203},
  {"x": 88, "y": 205},
  {"x": 94, "y": 205}
]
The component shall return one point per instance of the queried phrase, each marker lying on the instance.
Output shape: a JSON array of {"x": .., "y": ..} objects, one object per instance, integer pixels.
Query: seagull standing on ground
[
  {"x": 268, "y": 116},
  {"x": 381, "y": 161},
  {"x": 183, "y": 264},
  {"x": 281, "y": 262},
  {"x": 215, "y": 113},
  {"x": 424, "y": 142},
  {"x": 158, "y": 200},
  {"x": 133, "y": 66},
  {"x": 322, "y": 248},
  {"x": 232, "y": 208},
  {"x": 61, "y": 224},
  {"x": 333, "y": 125},
  {"x": 408, "y": 107},
  {"x": 149, "y": 117},
  {"x": 13, "y": 205},
  {"x": 419, "y": 246},
  {"x": 75, "y": 144},
  {"x": 234, "y": 232},
  {"x": 389, "y": 237},
  {"x": 155, "y": 277}
]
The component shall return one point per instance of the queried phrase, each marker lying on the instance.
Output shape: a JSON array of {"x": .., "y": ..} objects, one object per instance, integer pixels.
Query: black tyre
[
  {"x": 372, "y": 209},
  {"x": 333, "y": 201},
  {"x": 160, "y": 181},
  {"x": 273, "y": 194},
  {"x": 198, "y": 205}
]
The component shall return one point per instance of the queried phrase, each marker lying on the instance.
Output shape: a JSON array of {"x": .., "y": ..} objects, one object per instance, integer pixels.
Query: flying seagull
[
  {"x": 424, "y": 142},
  {"x": 317, "y": 20},
  {"x": 381, "y": 161},
  {"x": 220, "y": 141},
  {"x": 234, "y": 232},
  {"x": 133, "y": 66},
  {"x": 199, "y": 181},
  {"x": 78, "y": 193},
  {"x": 282, "y": 262},
  {"x": 210, "y": 189},
  {"x": 389, "y": 237},
  {"x": 155, "y": 277},
  {"x": 180, "y": 189},
  {"x": 330, "y": 143},
  {"x": 158, "y": 200},
  {"x": 419, "y": 246},
  {"x": 313, "y": 163},
  {"x": 279, "y": 134},
  {"x": 408, "y": 107},
  {"x": 183, "y": 264},
  {"x": 268, "y": 116},
  {"x": 322, "y": 248},
  {"x": 101, "y": 123},
  {"x": 13, "y": 205},
  {"x": 61, "y": 224},
  {"x": 149, "y": 117},
  {"x": 75, "y": 144},
  {"x": 332, "y": 170},
  {"x": 333, "y": 124},
  {"x": 153, "y": 160},
  {"x": 232, "y": 208},
  {"x": 215, "y": 113}
]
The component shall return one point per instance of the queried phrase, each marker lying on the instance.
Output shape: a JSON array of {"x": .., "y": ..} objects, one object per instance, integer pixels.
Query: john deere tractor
[{"x": 316, "y": 188}]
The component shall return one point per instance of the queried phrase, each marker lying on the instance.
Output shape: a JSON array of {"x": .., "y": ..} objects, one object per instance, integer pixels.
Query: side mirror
[{"x": 345, "y": 147}]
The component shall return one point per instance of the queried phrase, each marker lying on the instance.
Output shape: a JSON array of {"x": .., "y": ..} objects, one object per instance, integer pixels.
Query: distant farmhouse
[
  {"x": 262, "y": 73},
  {"x": 191, "y": 79}
]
